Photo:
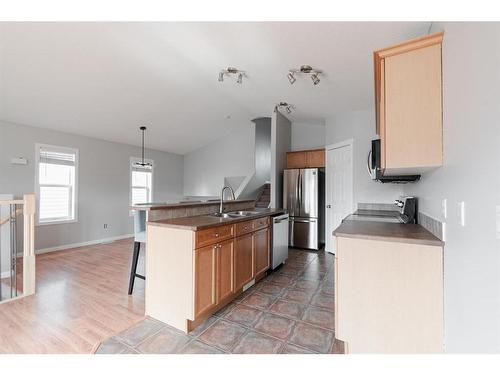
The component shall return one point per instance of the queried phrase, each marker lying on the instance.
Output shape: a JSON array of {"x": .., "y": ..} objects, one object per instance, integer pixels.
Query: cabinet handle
[
  {"x": 214, "y": 284},
  {"x": 216, "y": 234}
]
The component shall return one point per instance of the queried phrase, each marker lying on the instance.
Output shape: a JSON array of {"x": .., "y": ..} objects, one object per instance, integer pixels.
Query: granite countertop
[
  {"x": 195, "y": 223},
  {"x": 372, "y": 230},
  {"x": 162, "y": 206}
]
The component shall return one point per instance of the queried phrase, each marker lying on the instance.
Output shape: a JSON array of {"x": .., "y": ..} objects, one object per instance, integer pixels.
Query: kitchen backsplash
[
  {"x": 378, "y": 206},
  {"x": 432, "y": 225}
]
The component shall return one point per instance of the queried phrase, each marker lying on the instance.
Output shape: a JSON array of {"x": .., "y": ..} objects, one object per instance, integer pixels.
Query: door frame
[{"x": 347, "y": 142}]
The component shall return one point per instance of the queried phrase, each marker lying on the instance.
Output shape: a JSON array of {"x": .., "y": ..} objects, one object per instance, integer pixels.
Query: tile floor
[{"x": 289, "y": 312}]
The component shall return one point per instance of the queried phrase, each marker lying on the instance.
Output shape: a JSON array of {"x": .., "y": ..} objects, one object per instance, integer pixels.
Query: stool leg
[{"x": 133, "y": 268}]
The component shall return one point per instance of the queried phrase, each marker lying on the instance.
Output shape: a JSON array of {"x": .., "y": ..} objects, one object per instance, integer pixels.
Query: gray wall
[
  {"x": 360, "y": 126},
  {"x": 471, "y": 173},
  {"x": 232, "y": 155},
  {"x": 263, "y": 148},
  {"x": 103, "y": 181},
  {"x": 281, "y": 140},
  {"x": 306, "y": 136}
]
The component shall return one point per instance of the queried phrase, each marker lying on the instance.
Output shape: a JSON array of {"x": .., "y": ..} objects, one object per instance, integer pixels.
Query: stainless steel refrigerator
[{"x": 303, "y": 197}]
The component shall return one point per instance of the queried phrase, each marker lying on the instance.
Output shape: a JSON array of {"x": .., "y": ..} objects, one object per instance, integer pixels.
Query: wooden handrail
[
  {"x": 7, "y": 219},
  {"x": 11, "y": 201}
]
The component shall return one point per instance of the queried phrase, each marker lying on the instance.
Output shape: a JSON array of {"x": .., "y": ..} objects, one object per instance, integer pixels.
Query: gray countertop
[
  {"x": 167, "y": 205},
  {"x": 195, "y": 223}
]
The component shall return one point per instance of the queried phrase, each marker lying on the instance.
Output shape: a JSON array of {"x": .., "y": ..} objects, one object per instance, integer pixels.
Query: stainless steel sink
[
  {"x": 224, "y": 215},
  {"x": 234, "y": 214},
  {"x": 244, "y": 213}
]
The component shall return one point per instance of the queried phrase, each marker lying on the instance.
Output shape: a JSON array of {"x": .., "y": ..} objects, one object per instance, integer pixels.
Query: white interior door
[{"x": 339, "y": 188}]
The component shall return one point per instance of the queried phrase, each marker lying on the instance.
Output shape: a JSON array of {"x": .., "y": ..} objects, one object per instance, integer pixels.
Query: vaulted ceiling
[{"x": 104, "y": 80}]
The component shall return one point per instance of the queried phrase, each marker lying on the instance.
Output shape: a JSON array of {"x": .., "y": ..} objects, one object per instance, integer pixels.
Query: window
[
  {"x": 141, "y": 181},
  {"x": 56, "y": 178}
]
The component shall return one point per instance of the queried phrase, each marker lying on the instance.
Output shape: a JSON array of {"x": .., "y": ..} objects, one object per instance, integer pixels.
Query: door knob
[{"x": 329, "y": 206}]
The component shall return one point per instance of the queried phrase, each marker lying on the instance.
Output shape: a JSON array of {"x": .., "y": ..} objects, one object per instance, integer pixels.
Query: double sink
[{"x": 235, "y": 214}]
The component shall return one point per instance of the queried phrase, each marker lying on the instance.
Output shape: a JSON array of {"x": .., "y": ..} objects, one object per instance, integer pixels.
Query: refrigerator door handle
[
  {"x": 303, "y": 220},
  {"x": 300, "y": 191}
]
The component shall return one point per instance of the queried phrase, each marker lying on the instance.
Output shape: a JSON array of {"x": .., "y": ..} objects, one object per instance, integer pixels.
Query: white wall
[
  {"x": 103, "y": 181},
  {"x": 360, "y": 126},
  {"x": 232, "y": 155},
  {"x": 471, "y": 173},
  {"x": 281, "y": 140},
  {"x": 306, "y": 136}
]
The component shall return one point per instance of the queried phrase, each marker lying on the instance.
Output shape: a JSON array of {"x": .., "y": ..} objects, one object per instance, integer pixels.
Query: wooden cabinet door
[
  {"x": 315, "y": 158},
  {"x": 225, "y": 270},
  {"x": 413, "y": 112},
  {"x": 243, "y": 260},
  {"x": 296, "y": 159},
  {"x": 205, "y": 265},
  {"x": 261, "y": 249}
]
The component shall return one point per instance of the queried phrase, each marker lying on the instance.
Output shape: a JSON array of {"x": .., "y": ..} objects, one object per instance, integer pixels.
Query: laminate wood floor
[{"x": 81, "y": 299}]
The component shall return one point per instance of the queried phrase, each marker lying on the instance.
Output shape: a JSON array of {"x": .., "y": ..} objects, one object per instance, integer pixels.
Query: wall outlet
[
  {"x": 461, "y": 213},
  {"x": 105, "y": 226},
  {"x": 444, "y": 208}
]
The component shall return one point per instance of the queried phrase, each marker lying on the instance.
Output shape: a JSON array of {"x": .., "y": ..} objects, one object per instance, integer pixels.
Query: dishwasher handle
[{"x": 279, "y": 219}]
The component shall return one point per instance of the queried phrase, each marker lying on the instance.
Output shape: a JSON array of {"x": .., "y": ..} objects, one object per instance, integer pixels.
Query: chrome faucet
[{"x": 221, "y": 208}]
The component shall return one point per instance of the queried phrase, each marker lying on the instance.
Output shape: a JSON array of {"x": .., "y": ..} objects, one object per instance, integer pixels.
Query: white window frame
[
  {"x": 38, "y": 146},
  {"x": 131, "y": 163}
]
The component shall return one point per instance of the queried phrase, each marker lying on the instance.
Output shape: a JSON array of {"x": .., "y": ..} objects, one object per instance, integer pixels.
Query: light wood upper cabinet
[
  {"x": 205, "y": 269},
  {"x": 296, "y": 159},
  {"x": 261, "y": 249},
  {"x": 243, "y": 260},
  {"x": 306, "y": 159},
  {"x": 408, "y": 94},
  {"x": 315, "y": 158}
]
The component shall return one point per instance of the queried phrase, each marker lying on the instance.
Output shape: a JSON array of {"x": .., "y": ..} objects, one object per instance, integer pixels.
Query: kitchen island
[
  {"x": 388, "y": 288},
  {"x": 197, "y": 265}
]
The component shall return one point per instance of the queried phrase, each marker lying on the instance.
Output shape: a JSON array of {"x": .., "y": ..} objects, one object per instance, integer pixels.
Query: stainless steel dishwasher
[{"x": 279, "y": 252}]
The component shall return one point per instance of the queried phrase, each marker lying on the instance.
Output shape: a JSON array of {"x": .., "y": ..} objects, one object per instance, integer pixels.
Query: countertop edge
[
  {"x": 186, "y": 204},
  {"x": 416, "y": 241},
  {"x": 194, "y": 228}
]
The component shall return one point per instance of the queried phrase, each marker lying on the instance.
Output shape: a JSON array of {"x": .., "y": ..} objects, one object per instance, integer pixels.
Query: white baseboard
[{"x": 80, "y": 244}]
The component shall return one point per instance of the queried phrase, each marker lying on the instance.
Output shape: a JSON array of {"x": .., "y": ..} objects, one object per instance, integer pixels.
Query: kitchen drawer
[
  {"x": 213, "y": 235},
  {"x": 263, "y": 222},
  {"x": 244, "y": 227}
]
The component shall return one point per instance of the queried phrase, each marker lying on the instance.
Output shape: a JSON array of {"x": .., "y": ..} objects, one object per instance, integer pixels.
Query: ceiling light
[
  {"x": 143, "y": 163},
  {"x": 232, "y": 71},
  {"x": 315, "y": 79},
  {"x": 304, "y": 69},
  {"x": 284, "y": 105}
]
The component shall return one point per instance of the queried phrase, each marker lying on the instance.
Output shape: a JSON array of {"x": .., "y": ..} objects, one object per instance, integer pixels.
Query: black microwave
[{"x": 377, "y": 173}]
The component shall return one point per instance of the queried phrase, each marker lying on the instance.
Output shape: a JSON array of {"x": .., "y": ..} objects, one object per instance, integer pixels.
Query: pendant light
[{"x": 142, "y": 163}]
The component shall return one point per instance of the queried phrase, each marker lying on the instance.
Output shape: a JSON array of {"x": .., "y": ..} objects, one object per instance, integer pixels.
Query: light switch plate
[
  {"x": 461, "y": 213},
  {"x": 444, "y": 208}
]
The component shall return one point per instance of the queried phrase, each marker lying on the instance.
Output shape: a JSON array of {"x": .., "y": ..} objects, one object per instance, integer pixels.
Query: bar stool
[{"x": 139, "y": 237}]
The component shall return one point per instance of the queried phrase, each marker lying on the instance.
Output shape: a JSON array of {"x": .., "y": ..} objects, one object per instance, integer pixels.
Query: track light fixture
[
  {"x": 304, "y": 69},
  {"x": 284, "y": 105},
  {"x": 234, "y": 71}
]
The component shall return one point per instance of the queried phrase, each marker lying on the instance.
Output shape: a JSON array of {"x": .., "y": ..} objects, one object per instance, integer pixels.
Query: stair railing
[{"x": 26, "y": 206}]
